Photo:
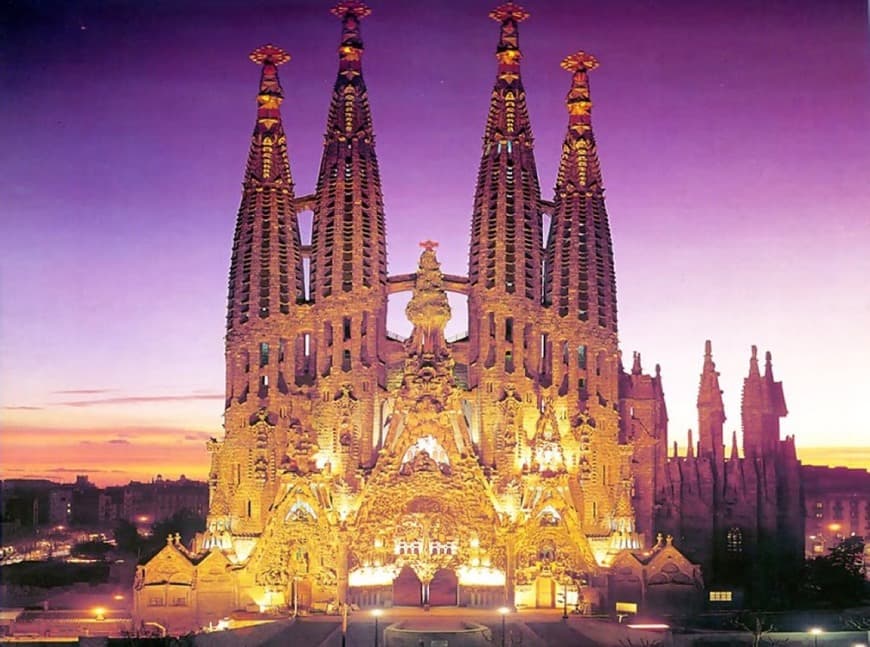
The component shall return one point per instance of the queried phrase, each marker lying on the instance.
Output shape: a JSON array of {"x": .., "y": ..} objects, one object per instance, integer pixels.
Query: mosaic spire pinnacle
[
  {"x": 507, "y": 219},
  {"x": 348, "y": 238},
  {"x": 580, "y": 279},
  {"x": 263, "y": 283}
]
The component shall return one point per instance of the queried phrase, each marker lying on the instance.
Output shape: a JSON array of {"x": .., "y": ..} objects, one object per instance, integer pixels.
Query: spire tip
[
  {"x": 509, "y": 10},
  {"x": 579, "y": 61},
  {"x": 269, "y": 54},
  {"x": 350, "y": 7}
]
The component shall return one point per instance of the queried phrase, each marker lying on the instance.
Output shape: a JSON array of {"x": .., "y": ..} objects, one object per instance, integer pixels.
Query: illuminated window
[
  {"x": 720, "y": 596},
  {"x": 734, "y": 540}
]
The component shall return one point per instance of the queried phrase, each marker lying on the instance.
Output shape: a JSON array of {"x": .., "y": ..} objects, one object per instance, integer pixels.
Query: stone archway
[
  {"x": 407, "y": 589},
  {"x": 545, "y": 592},
  {"x": 442, "y": 588}
]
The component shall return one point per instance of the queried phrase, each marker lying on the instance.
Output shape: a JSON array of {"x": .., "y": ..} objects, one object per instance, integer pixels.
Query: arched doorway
[
  {"x": 442, "y": 589},
  {"x": 300, "y": 593},
  {"x": 407, "y": 589},
  {"x": 545, "y": 592}
]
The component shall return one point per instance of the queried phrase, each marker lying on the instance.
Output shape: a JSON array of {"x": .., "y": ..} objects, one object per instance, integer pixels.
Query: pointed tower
[
  {"x": 711, "y": 412},
  {"x": 762, "y": 406},
  {"x": 265, "y": 285},
  {"x": 579, "y": 277},
  {"x": 348, "y": 245},
  {"x": 505, "y": 255}
]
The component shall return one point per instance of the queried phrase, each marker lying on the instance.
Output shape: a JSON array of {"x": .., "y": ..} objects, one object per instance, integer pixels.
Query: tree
[
  {"x": 91, "y": 549},
  {"x": 836, "y": 579},
  {"x": 127, "y": 537},
  {"x": 756, "y": 624}
]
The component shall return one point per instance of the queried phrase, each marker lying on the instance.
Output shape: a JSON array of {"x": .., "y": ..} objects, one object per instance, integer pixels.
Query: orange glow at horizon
[{"x": 115, "y": 456}]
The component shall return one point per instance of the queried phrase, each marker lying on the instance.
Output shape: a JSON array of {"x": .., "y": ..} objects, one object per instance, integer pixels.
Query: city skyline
[{"x": 123, "y": 184}]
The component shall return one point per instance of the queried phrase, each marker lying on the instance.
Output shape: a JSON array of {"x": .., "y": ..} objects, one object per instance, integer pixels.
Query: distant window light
[
  {"x": 734, "y": 540},
  {"x": 720, "y": 596}
]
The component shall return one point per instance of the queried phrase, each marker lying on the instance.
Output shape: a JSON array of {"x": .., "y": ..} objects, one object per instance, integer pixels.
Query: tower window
[
  {"x": 509, "y": 329},
  {"x": 734, "y": 540},
  {"x": 264, "y": 354},
  {"x": 581, "y": 356},
  {"x": 346, "y": 328},
  {"x": 345, "y": 360}
]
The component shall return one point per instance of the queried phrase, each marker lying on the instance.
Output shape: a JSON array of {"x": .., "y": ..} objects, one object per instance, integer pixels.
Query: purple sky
[{"x": 734, "y": 139}]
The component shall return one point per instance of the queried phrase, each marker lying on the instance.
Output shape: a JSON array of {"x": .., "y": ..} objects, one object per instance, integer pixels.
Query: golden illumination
[
  {"x": 372, "y": 576},
  {"x": 480, "y": 576}
]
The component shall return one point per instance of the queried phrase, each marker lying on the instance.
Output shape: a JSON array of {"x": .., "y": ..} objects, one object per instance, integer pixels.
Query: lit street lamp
[
  {"x": 377, "y": 614},
  {"x": 503, "y": 611},
  {"x": 815, "y": 631}
]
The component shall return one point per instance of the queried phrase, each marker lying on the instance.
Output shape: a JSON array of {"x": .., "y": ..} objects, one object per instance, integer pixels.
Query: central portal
[
  {"x": 407, "y": 589},
  {"x": 442, "y": 589}
]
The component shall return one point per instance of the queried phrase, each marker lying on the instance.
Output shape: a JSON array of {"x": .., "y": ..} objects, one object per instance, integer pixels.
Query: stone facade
[{"x": 511, "y": 466}]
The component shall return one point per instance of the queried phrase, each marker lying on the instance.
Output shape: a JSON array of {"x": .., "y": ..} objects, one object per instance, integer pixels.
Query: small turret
[{"x": 711, "y": 412}]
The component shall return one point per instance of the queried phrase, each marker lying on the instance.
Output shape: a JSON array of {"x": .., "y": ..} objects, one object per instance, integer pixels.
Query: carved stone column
[
  {"x": 510, "y": 571},
  {"x": 341, "y": 568}
]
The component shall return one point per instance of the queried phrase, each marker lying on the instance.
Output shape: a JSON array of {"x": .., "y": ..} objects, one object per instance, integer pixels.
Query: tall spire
[
  {"x": 265, "y": 269},
  {"x": 711, "y": 411},
  {"x": 505, "y": 252},
  {"x": 348, "y": 241},
  {"x": 580, "y": 281},
  {"x": 504, "y": 262},
  {"x": 348, "y": 288},
  {"x": 265, "y": 286}
]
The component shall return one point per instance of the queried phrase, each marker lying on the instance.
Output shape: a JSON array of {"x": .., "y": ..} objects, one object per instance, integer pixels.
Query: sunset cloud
[
  {"x": 142, "y": 399},
  {"x": 103, "y": 453}
]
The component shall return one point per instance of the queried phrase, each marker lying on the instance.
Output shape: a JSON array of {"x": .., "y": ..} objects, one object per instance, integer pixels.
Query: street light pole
[
  {"x": 344, "y": 624},
  {"x": 503, "y": 611},
  {"x": 377, "y": 614}
]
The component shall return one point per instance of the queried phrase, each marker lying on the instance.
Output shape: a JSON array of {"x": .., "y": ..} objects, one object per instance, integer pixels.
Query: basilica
[{"x": 524, "y": 464}]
